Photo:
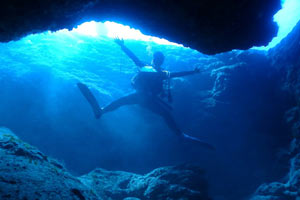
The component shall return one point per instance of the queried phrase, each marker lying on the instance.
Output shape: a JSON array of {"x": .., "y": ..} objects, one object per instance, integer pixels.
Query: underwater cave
[{"x": 231, "y": 67}]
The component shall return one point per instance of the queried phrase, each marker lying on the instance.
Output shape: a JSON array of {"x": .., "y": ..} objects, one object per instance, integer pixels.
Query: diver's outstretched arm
[
  {"x": 129, "y": 53},
  {"x": 184, "y": 73}
]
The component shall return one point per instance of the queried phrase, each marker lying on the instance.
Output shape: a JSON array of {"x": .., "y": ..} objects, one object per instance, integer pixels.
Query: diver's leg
[
  {"x": 126, "y": 100},
  {"x": 173, "y": 126},
  {"x": 171, "y": 122},
  {"x": 161, "y": 110},
  {"x": 85, "y": 91}
]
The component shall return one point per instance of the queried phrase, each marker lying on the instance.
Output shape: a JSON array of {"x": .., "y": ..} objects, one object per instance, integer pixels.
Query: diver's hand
[{"x": 119, "y": 41}]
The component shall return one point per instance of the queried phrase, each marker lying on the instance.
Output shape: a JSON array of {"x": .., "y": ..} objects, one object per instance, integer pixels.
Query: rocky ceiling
[{"x": 210, "y": 26}]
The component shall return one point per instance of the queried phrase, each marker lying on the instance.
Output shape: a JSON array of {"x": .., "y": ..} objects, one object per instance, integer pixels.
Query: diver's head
[{"x": 158, "y": 60}]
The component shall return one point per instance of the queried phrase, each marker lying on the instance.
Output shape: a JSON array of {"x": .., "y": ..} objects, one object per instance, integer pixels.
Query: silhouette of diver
[{"x": 150, "y": 84}]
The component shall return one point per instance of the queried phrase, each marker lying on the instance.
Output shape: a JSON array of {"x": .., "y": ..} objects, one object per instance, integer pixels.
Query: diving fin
[
  {"x": 198, "y": 141},
  {"x": 90, "y": 98}
]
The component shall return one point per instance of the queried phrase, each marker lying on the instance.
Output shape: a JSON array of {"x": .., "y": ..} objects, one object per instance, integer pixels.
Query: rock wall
[
  {"x": 28, "y": 174},
  {"x": 285, "y": 58},
  {"x": 244, "y": 110},
  {"x": 209, "y": 26}
]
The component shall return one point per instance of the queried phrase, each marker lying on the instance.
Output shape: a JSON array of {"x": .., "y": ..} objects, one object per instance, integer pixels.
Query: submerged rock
[
  {"x": 181, "y": 182},
  {"x": 290, "y": 190},
  {"x": 26, "y": 173}
]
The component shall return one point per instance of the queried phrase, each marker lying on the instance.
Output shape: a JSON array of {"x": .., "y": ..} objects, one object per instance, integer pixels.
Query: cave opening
[{"x": 286, "y": 19}]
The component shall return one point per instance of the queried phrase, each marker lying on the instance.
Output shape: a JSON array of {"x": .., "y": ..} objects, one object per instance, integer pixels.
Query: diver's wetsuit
[{"x": 148, "y": 92}]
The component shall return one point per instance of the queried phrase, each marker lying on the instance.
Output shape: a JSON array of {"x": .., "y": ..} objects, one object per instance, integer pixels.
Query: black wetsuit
[{"x": 149, "y": 87}]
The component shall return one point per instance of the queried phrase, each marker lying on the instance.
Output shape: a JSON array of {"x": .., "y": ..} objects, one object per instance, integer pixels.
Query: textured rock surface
[
  {"x": 181, "y": 182},
  {"x": 208, "y": 26},
  {"x": 26, "y": 173}
]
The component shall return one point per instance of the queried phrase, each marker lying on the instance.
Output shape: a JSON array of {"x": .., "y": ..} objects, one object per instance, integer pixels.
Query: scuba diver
[{"x": 152, "y": 86}]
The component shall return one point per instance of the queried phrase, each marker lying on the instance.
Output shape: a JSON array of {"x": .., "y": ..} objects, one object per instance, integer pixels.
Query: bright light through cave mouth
[
  {"x": 286, "y": 18},
  {"x": 115, "y": 30}
]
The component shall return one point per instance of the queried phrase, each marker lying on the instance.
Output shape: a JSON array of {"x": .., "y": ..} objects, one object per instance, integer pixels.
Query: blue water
[
  {"x": 39, "y": 76},
  {"x": 232, "y": 104}
]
